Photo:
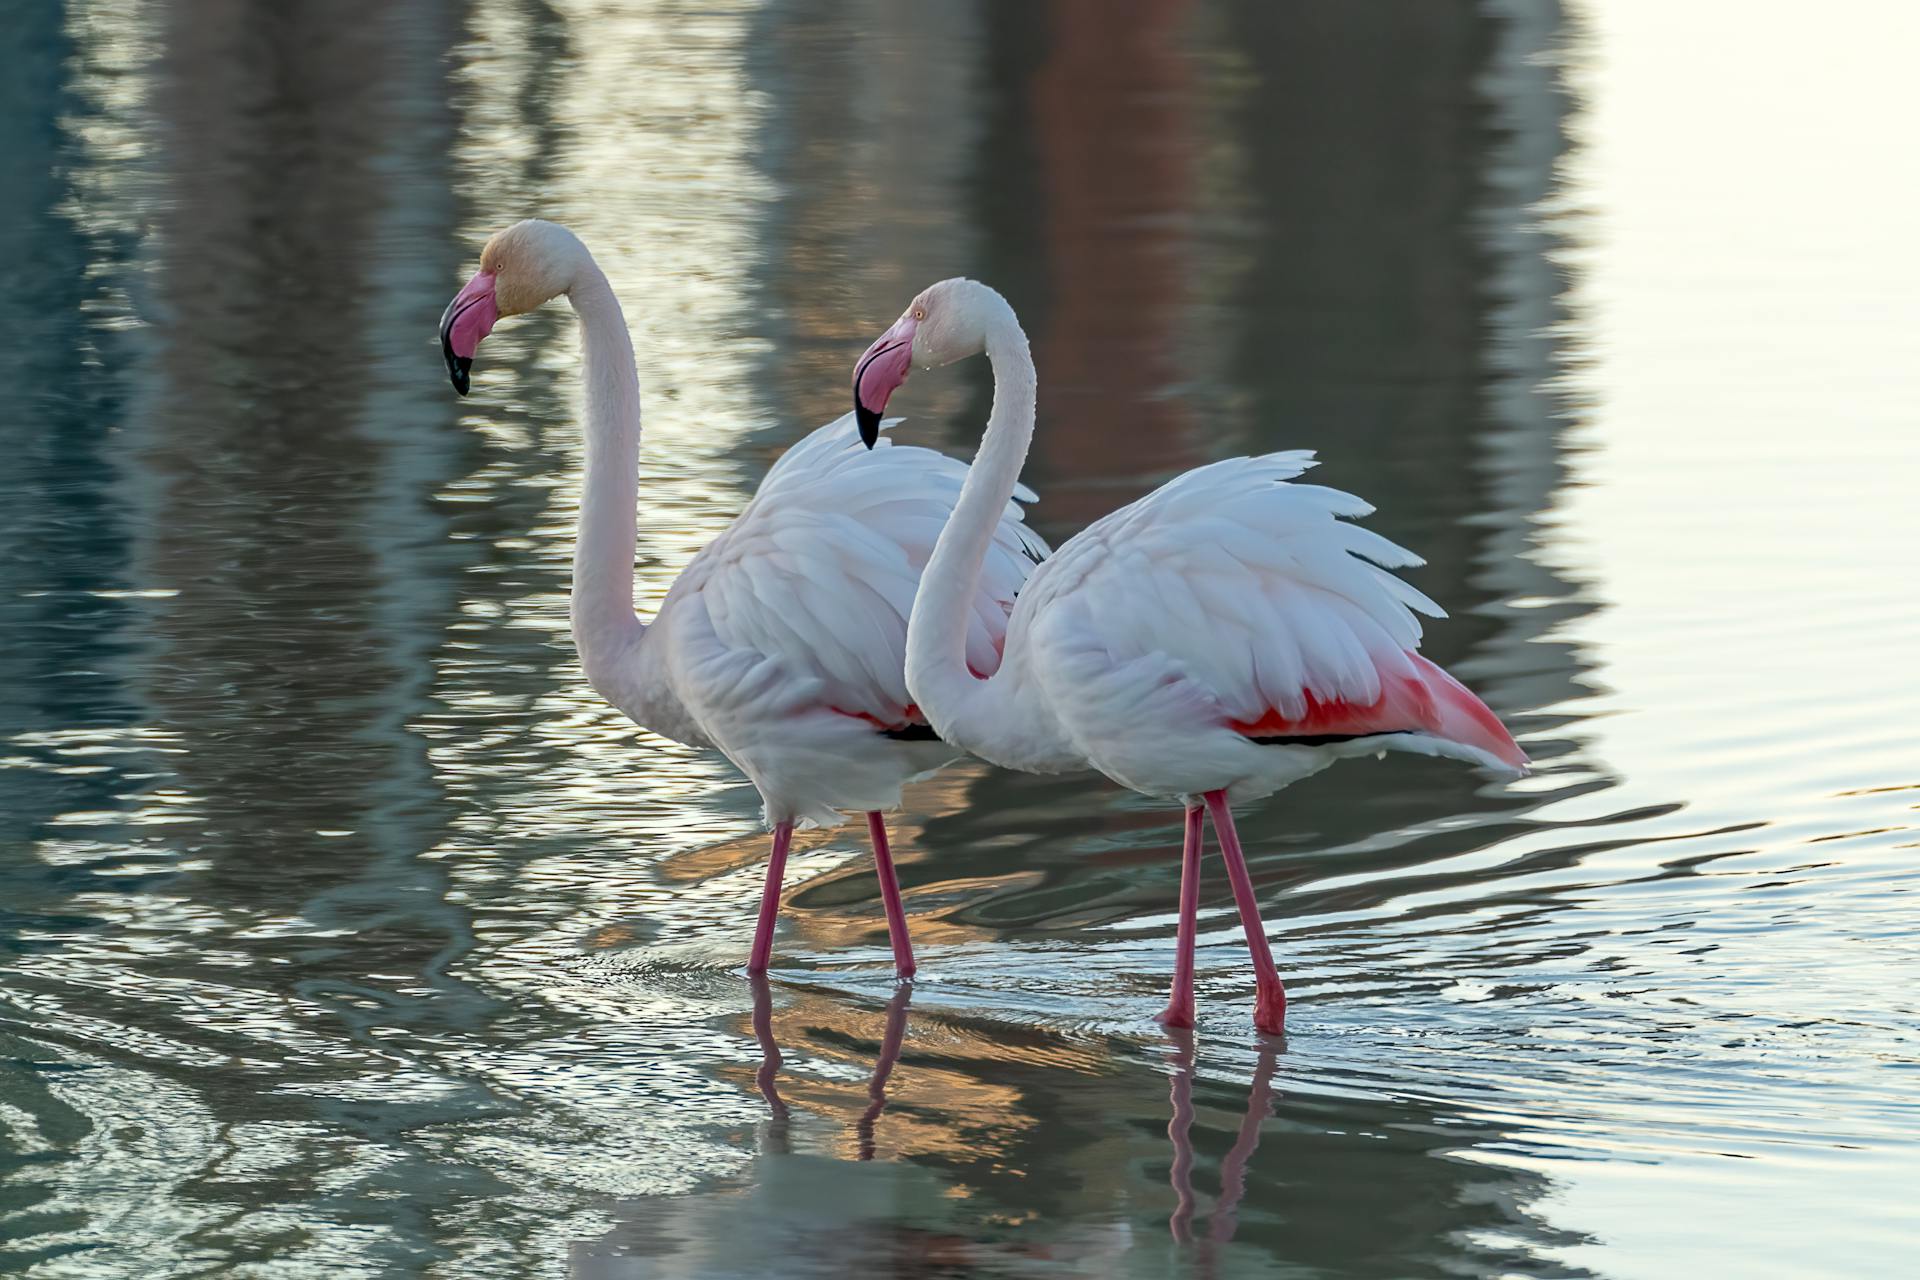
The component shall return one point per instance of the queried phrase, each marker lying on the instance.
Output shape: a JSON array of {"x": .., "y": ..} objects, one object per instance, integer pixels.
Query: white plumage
[
  {"x": 784, "y": 639},
  {"x": 1161, "y": 634},
  {"x": 782, "y": 642},
  {"x": 1226, "y": 635}
]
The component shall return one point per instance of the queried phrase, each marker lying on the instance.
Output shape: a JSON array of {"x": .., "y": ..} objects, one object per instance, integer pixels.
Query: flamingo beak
[
  {"x": 879, "y": 374},
  {"x": 467, "y": 319}
]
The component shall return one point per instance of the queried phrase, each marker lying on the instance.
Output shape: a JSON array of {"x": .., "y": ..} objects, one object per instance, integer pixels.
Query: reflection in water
[
  {"x": 806, "y": 1214},
  {"x": 1233, "y": 1169},
  {"x": 345, "y": 932},
  {"x": 766, "y": 1079},
  {"x": 975, "y": 1106},
  {"x": 883, "y": 1067}
]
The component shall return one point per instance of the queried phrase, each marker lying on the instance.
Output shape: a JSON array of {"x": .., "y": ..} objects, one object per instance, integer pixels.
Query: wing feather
[
  {"x": 1239, "y": 581},
  {"x": 815, "y": 579}
]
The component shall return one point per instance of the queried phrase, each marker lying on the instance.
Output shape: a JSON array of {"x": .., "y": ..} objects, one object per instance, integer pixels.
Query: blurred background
[{"x": 344, "y": 931}]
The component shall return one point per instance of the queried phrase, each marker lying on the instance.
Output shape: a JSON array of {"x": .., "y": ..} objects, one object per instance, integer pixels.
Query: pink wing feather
[
  {"x": 1281, "y": 616},
  {"x": 1427, "y": 701}
]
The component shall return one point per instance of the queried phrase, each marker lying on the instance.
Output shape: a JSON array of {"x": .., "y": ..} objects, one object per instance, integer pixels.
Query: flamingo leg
[
  {"x": 1179, "y": 1010},
  {"x": 1270, "y": 1004},
  {"x": 762, "y": 951},
  {"x": 903, "y": 965}
]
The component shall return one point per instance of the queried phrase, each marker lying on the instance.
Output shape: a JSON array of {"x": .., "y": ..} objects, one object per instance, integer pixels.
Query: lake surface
[{"x": 345, "y": 932}]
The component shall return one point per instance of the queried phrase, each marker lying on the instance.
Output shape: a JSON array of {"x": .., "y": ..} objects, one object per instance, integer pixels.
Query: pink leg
[
  {"x": 903, "y": 965},
  {"x": 1270, "y": 1004},
  {"x": 1179, "y": 1010},
  {"x": 770, "y": 900}
]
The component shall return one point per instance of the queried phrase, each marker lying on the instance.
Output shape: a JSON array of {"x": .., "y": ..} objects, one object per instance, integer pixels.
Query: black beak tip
[
  {"x": 869, "y": 422},
  {"x": 460, "y": 370}
]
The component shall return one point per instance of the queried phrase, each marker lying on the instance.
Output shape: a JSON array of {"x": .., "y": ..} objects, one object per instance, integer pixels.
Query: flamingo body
[
  {"x": 1233, "y": 631},
  {"x": 782, "y": 642},
  {"x": 1227, "y": 634}
]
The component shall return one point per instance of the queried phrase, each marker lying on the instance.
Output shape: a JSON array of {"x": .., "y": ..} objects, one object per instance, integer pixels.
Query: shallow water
[{"x": 346, "y": 932}]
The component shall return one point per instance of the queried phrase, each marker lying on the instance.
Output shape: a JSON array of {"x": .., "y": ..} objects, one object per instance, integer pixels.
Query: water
[{"x": 347, "y": 933}]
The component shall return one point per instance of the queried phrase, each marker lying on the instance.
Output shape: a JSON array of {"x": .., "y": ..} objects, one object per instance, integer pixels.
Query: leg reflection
[
  {"x": 769, "y": 1063},
  {"x": 890, "y": 1043},
  {"x": 766, "y": 1079},
  {"x": 1180, "y": 1132},
  {"x": 1233, "y": 1168}
]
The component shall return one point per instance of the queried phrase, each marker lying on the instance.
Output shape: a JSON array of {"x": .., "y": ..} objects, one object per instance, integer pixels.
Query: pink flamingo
[
  {"x": 1220, "y": 638},
  {"x": 782, "y": 642}
]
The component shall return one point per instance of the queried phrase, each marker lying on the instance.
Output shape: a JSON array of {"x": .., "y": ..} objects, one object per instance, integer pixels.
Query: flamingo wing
[
  {"x": 806, "y": 595},
  {"x": 1235, "y": 596}
]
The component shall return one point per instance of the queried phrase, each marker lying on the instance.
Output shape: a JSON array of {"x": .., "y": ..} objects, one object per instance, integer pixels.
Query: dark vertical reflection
[
  {"x": 63, "y": 558},
  {"x": 877, "y": 123},
  {"x": 272, "y": 472},
  {"x": 1116, "y": 121},
  {"x": 292, "y": 651},
  {"x": 1364, "y": 177},
  {"x": 63, "y": 542},
  {"x": 270, "y": 660}
]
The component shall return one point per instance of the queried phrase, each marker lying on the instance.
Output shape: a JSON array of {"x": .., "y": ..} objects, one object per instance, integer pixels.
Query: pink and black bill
[
  {"x": 879, "y": 374},
  {"x": 468, "y": 318}
]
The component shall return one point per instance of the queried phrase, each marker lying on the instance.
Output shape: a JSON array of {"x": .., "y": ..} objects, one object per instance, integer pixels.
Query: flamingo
[
  {"x": 1222, "y": 637},
  {"x": 781, "y": 644}
]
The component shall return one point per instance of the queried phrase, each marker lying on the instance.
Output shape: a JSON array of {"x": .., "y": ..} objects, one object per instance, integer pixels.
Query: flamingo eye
[{"x": 919, "y": 313}]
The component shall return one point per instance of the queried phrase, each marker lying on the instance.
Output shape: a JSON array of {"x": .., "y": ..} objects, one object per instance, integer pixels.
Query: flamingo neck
[
  {"x": 951, "y": 696},
  {"x": 603, "y": 620}
]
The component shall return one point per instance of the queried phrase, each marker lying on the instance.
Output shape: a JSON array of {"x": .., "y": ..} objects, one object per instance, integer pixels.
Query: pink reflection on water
[
  {"x": 767, "y": 1076},
  {"x": 1233, "y": 1167}
]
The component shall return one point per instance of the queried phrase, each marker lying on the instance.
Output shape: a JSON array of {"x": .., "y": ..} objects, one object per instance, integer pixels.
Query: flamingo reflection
[
  {"x": 763, "y": 1079},
  {"x": 892, "y": 1038},
  {"x": 1233, "y": 1168}
]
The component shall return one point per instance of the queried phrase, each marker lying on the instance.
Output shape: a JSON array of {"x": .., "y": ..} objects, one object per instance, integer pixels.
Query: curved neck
[
  {"x": 937, "y": 673},
  {"x": 602, "y": 605}
]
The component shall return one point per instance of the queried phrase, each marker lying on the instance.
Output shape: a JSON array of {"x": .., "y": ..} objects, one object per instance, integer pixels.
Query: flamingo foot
[
  {"x": 1270, "y": 1008},
  {"x": 1176, "y": 1017}
]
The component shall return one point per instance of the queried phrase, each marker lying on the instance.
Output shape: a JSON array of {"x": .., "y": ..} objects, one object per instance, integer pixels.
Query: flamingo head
[
  {"x": 520, "y": 268},
  {"x": 947, "y": 322}
]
